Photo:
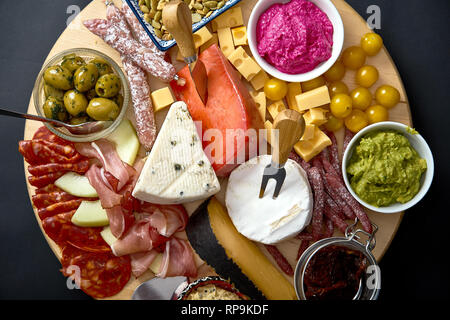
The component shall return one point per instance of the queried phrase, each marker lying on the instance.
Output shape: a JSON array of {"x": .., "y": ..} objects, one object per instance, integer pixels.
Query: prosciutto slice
[
  {"x": 105, "y": 152},
  {"x": 141, "y": 237},
  {"x": 140, "y": 262},
  {"x": 108, "y": 198},
  {"x": 167, "y": 219},
  {"x": 178, "y": 260}
]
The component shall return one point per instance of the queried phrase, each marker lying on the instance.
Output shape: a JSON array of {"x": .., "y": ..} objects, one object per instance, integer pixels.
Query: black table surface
[{"x": 415, "y": 32}]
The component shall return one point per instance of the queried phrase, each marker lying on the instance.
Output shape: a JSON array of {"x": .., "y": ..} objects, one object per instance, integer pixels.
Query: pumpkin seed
[
  {"x": 210, "y": 4},
  {"x": 157, "y": 16},
  {"x": 144, "y": 9}
]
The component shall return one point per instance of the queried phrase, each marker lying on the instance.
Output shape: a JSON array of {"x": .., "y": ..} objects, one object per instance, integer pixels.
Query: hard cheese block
[
  {"x": 244, "y": 63},
  {"x": 308, "y": 149},
  {"x": 176, "y": 170},
  {"x": 229, "y": 109},
  {"x": 215, "y": 239},
  {"x": 313, "y": 98},
  {"x": 231, "y": 18},
  {"x": 265, "y": 219}
]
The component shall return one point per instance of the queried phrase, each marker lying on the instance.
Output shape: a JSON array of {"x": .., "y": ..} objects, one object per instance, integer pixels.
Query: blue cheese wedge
[{"x": 176, "y": 170}]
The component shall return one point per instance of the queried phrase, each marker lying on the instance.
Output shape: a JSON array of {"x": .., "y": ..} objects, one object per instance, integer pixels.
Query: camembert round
[{"x": 267, "y": 220}]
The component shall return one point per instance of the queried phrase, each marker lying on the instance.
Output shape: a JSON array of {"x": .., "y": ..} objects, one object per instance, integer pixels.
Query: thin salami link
[
  {"x": 303, "y": 246},
  {"x": 280, "y": 259},
  {"x": 102, "y": 274},
  {"x": 338, "y": 187},
  {"x": 142, "y": 104},
  {"x": 42, "y": 181},
  {"x": 348, "y": 136},
  {"x": 319, "y": 202},
  {"x": 43, "y": 169},
  {"x": 305, "y": 165},
  {"x": 58, "y": 207},
  {"x": 334, "y": 153},
  {"x": 333, "y": 216},
  {"x": 43, "y": 200},
  {"x": 139, "y": 31},
  {"x": 329, "y": 228}
]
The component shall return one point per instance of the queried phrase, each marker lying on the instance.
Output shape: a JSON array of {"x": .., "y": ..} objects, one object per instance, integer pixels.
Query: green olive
[
  {"x": 53, "y": 92},
  {"x": 102, "y": 109},
  {"x": 79, "y": 120},
  {"x": 91, "y": 94},
  {"x": 54, "y": 109},
  {"x": 85, "y": 77},
  {"x": 102, "y": 66},
  {"x": 72, "y": 62},
  {"x": 75, "y": 102},
  {"x": 108, "y": 85},
  {"x": 118, "y": 99},
  {"x": 58, "y": 77}
]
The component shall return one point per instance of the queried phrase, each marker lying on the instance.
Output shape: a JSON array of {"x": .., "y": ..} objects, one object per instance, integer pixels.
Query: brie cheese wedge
[
  {"x": 176, "y": 170},
  {"x": 267, "y": 220}
]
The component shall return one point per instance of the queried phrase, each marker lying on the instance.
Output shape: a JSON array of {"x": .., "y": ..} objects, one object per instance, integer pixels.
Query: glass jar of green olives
[{"x": 81, "y": 85}]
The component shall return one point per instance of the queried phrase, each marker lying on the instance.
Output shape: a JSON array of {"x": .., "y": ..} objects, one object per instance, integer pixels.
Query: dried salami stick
[
  {"x": 334, "y": 153},
  {"x": 305, "y": 165},
  {"x": 335, "y": 218},
  {"x": 303, "y": 246},
  {"x": 329, "y": 227},
  {"x": 131, "y": 48},
  {"x": 142, "y": 104},
  {"x": 139, "y": 31},
  {"x": 339, "y": 188},
  {"x": 319, "y": 202},
  {"x": 280, "y": 259},
  {"x": 347, "y": 137}
]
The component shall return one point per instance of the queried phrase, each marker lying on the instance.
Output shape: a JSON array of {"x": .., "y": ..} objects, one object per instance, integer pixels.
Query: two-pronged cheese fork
[{"x": 287, "y": 130}]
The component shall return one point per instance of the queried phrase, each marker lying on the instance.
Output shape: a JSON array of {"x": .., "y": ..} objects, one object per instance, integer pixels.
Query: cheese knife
[
  {"x": 286, "y": 131},
  {"x": 177, "y": 18}
]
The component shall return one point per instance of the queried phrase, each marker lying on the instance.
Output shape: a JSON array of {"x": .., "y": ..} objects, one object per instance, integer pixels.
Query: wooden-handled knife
[{"x": 177, "y": 18}]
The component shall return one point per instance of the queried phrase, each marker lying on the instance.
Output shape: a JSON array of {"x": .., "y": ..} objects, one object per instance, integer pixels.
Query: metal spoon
[{"x": 83, "y": 128}]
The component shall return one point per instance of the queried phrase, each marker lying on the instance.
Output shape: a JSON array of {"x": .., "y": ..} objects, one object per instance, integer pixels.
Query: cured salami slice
[
  {"x": 37, "y": 152},
  {"x": 59, "y": 207},
  {"x": 61, "y": 230},
  {"x": 100, "y": 275},
  {"x": 44, "y": 180},
  {"x": 43, "y": 200},
  {"x": 43, "y": 169}
]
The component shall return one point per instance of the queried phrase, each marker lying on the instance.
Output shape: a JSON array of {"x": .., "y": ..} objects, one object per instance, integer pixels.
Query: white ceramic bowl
[
  {"x": 338, "y": 40},
  {"x": 417, "y": 142}
]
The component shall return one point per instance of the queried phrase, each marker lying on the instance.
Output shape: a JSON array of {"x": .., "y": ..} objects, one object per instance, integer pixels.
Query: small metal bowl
[
  {"x": 217, "y": 281},
  {"x": 370, "y": 282},
  {"x": 87, "y": 54}
]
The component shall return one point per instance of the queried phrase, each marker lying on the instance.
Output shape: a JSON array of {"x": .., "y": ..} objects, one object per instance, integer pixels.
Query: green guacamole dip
[{"x": 385, "y": 169}]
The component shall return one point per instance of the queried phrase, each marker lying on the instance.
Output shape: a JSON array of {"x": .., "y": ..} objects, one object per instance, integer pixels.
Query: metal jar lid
[{"x": 370, "y": 283}]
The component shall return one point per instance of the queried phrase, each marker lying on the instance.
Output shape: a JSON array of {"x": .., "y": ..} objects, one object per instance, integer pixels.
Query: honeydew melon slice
[
  {"x": 126, "y": 141},
  {"x": 90, "y": 214},
  {"x": 76, "y": 185}
]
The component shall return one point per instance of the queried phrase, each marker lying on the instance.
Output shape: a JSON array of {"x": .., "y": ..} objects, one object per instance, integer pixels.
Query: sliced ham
[
  {"x": 108, "y": 197},
  {"x": 167, "y": 219},
  {"x": 105, "y": 152},
  {"x": 141, "y": 237},
  {"x": 178, "y": 260},
  {"x": 140, "y": 262}
]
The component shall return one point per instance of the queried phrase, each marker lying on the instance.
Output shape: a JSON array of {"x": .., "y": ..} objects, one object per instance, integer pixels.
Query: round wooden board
[{"x": 76, "y": 35}]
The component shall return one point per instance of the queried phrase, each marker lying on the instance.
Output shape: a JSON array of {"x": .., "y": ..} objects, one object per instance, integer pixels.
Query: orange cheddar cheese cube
[
  {"x": 162, "y": 98},
  {"x": 225, "y": 41},
  {"x": 294, "y": 89},
  {"x": 260, "y": 100},
  {"x": 201, "y": 36},
  {"x": 313, "y": 98},
  {"x": 275, "y": 108},
  {"x": 231, "y": 18},
  {"x": 259, "y": 80},
  {"x": 244, "y": 63},
  {"x": 239, "y": 36},
  {"x": 308, "y": 149}
]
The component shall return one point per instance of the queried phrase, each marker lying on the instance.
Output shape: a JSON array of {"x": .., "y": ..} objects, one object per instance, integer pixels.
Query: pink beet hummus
[{"x": 294, "y": 37}]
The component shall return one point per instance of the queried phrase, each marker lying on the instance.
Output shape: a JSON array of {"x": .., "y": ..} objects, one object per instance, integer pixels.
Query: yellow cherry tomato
[
  {"x": 377, "y": 113},
  {"x": 366, "y": 76},
  {"x": 361, "y": 98},
  {"x": 356, "y": 121},
  {"x": 387, "y": 96},
  {"x": 336, "y": 72},
  {"x": 337, "y": 87},
  {"x": 333, "y": 123},
  {"x": 313, "y": 83},
  {"x": 275, "y": 89},
  {"x": 341, "y": 105},
  {"x": 353, "y": 57},
  {"x": 371, "y": 43}
]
